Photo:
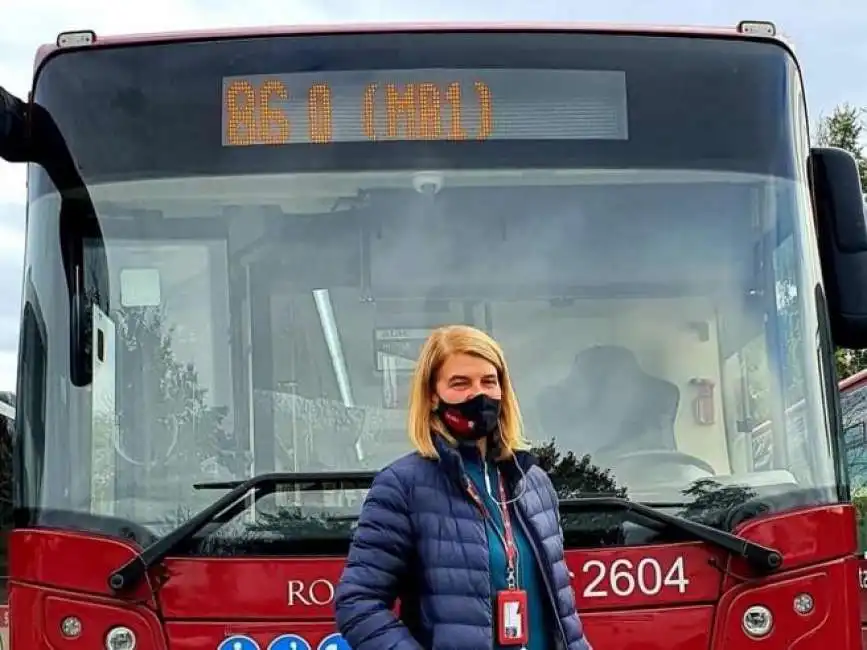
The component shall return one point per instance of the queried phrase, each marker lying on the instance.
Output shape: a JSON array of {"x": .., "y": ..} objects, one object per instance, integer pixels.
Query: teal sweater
[{"x": 529, "y": 575}]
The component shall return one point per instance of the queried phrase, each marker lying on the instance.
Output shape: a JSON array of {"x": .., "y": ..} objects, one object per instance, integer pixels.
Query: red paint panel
[
  {"x": 833, "y": 623},
  {"x": 681, "y": 628},
  {"x": 37, "y": 614},
  {"x": 624, "y": 604},
  {"x": 645, "y": 576},
  {"x": 251, "y": 588},
  {"x": 69, "y": 560},
  {"x": 806, "y": 535}
]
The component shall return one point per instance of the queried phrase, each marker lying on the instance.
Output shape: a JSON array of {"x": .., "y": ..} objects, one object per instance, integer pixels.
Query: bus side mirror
[
  {"x": 28, "y": 133},
  {"x": 842, "y": 231},
  {"x": 13, "y": 128}
]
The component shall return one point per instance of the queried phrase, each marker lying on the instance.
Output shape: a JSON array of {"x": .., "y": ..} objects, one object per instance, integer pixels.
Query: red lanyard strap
[{"x": 507, "y": 538}]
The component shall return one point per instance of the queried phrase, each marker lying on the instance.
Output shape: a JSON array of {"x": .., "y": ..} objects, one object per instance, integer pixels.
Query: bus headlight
[
  {"x": 758, "y": 621},
  {"x": 120, "y": 638}
]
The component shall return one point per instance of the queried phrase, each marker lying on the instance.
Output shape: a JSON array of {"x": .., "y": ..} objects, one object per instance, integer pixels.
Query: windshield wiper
[
  {"x": 130, "y": 573},
  {"x": 318, "y": 479},
  {"x": 759, "y": 557}
]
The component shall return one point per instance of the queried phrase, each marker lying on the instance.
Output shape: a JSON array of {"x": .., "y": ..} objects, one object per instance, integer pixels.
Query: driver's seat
[{"x": 609, "y": 406}]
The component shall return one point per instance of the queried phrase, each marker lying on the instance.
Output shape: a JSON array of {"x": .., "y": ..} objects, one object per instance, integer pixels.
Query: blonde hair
[{"x": 439, "y": 346}]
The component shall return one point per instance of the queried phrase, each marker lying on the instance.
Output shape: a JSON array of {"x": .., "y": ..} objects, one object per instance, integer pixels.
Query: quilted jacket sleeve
[
  {"x": 367, "y": 591},
  {"x": 575, "y": 624}
]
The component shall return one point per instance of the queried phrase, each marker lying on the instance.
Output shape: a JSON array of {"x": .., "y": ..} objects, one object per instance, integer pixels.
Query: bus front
[{"x": 234, "y": 256}]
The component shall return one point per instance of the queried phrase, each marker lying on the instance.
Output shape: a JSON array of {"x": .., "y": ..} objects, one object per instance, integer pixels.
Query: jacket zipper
[{"x": 545, "y": 579}]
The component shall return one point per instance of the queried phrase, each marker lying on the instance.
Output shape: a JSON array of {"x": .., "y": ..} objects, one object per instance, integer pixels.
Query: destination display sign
[{"x": 457, "y": 105}]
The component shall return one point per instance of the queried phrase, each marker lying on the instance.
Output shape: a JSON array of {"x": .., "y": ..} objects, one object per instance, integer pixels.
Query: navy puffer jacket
[{"x": 421, "y": 539}]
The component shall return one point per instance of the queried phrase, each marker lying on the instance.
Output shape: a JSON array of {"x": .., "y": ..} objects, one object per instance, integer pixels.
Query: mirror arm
[{"x": 14, "y": 130}]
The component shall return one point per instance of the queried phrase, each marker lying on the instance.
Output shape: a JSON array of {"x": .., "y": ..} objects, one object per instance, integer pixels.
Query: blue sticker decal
[
  {"x": 238, "y": 642},
  {"x": 289, "y": 642},
  {"x": 333, "y": 642}
]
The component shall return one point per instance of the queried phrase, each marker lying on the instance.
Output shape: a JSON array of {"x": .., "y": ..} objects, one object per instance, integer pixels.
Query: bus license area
[
  {"x": 259, "y": 113},
  {"x": 645, "y": 577}
]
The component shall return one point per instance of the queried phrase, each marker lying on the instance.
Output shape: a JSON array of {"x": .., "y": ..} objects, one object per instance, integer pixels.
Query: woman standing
[{"x": 465, "y": 530}]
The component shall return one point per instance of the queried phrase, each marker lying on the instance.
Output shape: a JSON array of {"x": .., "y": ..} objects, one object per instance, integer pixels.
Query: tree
[
  {"x": 573, "y": 478},
  {"x": 713, "y": 504},
  {"x": 844, "y": 128}
]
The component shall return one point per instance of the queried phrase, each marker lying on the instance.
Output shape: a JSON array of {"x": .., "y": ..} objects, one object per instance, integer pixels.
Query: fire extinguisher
[{"x": 702, "y": 403}]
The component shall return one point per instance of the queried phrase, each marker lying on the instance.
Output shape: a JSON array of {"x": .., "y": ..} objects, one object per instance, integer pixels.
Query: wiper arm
[
  {"x": 759, "y": 557},
  {"x": 319, "y": 479},
  {"x": 130, "y": 573}
]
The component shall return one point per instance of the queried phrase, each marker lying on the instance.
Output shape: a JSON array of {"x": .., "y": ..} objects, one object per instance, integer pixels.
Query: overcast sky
[{"x": 829, "y": 40}]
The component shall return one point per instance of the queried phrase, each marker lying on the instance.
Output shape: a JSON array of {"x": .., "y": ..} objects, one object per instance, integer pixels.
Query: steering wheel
[{"x": 650, "y": 456}]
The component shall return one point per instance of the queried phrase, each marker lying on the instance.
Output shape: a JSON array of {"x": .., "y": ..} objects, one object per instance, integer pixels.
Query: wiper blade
[
  {"x": 130, "y": 573},
  {"x": 759, "y": 557},
  {"x": 319, "y": 480}
]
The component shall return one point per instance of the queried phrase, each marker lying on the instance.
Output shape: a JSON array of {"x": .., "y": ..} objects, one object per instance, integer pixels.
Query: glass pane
[
  {"x": 257, "y": 305},
  {"x": 854, "y": 406}
]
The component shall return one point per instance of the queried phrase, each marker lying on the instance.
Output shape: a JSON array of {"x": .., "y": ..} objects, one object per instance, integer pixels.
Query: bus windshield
[{"x": 278, "y": 223}]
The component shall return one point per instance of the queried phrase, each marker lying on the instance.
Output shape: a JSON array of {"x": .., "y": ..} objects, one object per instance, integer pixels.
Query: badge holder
[
  {"x": 511, "y": 603},
  {"x": 512, "y": 615}
]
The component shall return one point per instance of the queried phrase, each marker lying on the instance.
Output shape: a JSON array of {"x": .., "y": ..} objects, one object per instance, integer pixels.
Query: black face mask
[{"x": 471, "y": 420}]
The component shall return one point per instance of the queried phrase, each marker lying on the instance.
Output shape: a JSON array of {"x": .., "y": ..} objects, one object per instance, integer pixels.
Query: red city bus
[
  {"x": 7, "y": 424},
  {"x": 853, "y": 400},
  {"x": 237, "y": 241}
]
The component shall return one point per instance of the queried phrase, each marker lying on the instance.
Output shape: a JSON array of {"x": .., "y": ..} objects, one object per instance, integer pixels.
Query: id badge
[{"x": 512, "y": 617}]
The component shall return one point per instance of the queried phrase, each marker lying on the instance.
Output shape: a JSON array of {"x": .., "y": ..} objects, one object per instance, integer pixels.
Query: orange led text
[{"x": 259, "y": 114}]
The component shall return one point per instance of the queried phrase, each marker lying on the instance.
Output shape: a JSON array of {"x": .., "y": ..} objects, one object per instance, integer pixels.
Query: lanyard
[{"x": 507, "y": 538}]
